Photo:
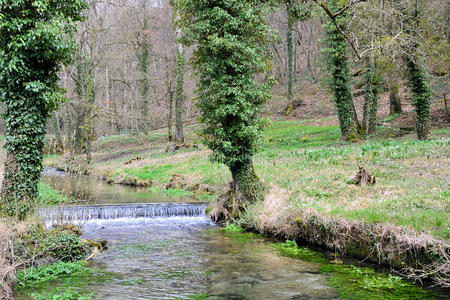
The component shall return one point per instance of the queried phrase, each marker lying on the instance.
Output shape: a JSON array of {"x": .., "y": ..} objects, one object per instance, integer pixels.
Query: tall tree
[
  {"x": 179, "y": 96},
  {"x": 34, "y": 42},
  {"x": 143, "y": 54},
  {"x": 371, "y": 97},
  {"x": 230, "y": 38},
  {"x": 337, "y": 65},
  {"x": 179, "y": 91},
  {"x": 416, "y": 73},
  {"x": 290, "y": 50}
]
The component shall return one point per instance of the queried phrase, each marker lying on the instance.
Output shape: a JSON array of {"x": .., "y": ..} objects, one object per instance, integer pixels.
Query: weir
[{"x": 108, "y": 212}]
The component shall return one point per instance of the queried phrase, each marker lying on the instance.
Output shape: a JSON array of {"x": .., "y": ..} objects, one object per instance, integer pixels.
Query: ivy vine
[{"x": 34, "y": 42}]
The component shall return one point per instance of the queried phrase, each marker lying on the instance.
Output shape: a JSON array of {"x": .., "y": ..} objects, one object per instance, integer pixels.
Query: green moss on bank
[
  {"x": 60, "y": 281},
  {"x": 365, "y": 284}
]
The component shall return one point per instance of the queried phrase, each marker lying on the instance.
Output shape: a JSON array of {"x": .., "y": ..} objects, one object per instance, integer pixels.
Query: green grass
[
  {"x": 160, "y": 173},
  {"x": 49, "y": 196},
  {"x": 287, "y": 135}
]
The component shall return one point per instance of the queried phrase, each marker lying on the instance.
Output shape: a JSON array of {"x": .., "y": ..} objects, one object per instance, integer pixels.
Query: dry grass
[
  {"x": 415, "y": 255},
  {"x": 9, "y": 263}
]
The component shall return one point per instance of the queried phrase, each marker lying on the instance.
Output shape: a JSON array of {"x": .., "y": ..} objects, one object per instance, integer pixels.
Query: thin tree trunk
[
  {"x": 308, "y": 57},
  {"x": 395, "y": 106},
  {"x": 58, "y": 135},
  {"x": 169, "y": 121},
  {"x": 179, "y": 100},
  {"x": 290, "y": 50},
  {"x": 371, "y": 99}
]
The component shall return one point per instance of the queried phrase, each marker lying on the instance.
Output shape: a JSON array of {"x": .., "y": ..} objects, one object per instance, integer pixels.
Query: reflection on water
[{"x": 86, "y": 189}]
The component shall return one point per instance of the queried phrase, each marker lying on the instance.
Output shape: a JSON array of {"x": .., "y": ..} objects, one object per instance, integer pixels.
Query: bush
[
  {"x": 48, "y": 246},
  {"x": 64, "y": 246}
]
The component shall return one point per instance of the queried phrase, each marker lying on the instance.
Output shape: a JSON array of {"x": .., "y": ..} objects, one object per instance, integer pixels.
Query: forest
[{"x": 181, "y": 149}]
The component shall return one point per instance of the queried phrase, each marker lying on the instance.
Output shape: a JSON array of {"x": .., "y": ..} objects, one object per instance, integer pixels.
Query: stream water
[{"x": 172, "y": 251}]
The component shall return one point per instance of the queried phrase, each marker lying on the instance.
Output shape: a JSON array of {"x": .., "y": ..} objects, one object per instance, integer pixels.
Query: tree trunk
[
  {"x": 417, "y": 77},
  {"x": 421, "y": 98},
  {"x": 308, "y": 58},
  {"x": 179, "y": 100},
  {"x": 143, "y": 57},
  {"x": 169, "y": 120},
  {"x": 290, "y": 76},
  {"x": 15, "y": 202},
  {"x": 23, "y": 164},
  {"x": 58, "y": 136},
  {"x": 246, "y": 185},
  {"x": 395, "y": 106},
  {"x": 371, "y": 100},
  {"x": 337, "y": 64}
]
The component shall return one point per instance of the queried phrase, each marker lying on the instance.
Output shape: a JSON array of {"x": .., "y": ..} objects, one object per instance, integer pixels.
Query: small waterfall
[{"x": 131, "y": 211}]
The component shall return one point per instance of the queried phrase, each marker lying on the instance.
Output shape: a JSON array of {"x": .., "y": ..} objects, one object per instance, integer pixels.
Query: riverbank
[{"x": 311, "y": 196}]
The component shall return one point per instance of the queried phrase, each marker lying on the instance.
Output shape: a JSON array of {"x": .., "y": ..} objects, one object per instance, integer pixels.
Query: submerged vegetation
[
  {"x": 365, "y": 284},
  {"x": 356, "y": 282}
]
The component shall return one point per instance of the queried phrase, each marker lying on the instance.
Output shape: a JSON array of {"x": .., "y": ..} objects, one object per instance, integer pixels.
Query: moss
[
  {"x": 364, "y": 283},
  {"x": 234, "y": 228},
  {"x": 291, "y": 249},
  {"x": 353, "y": 136}
]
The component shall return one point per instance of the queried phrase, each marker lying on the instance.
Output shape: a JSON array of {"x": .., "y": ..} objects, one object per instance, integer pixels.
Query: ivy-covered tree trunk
[
  {"x": 418, "y": 83},
  {"x": 34, "y": 42},
  {"x": 370, "y": 109},
  {"x": 246, "y": 185},
  {"x": 337, "y": 65},
  {"x": 143, "y": 57},
  {"x": 416, "y": 74},
  {"x": 179, "y": 99},
  {"x": 231, "y": 38},
  {"x": 25, "y": 126}
]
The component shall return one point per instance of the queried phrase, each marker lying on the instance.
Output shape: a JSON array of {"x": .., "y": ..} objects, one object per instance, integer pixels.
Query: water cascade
[{"x": 108, "y": 212}]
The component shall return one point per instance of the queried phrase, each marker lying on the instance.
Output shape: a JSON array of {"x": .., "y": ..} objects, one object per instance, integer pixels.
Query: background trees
[{"x": 128, "y": 78}]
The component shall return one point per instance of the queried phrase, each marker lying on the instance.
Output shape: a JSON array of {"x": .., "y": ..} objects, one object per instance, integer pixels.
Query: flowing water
[
  {"x": 172, "y": 251},
  {"x": 95, "y": 191}
]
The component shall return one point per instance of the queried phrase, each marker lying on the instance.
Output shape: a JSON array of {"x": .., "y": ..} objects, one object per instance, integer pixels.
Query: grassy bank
[{"x": 312, "y": 168}]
